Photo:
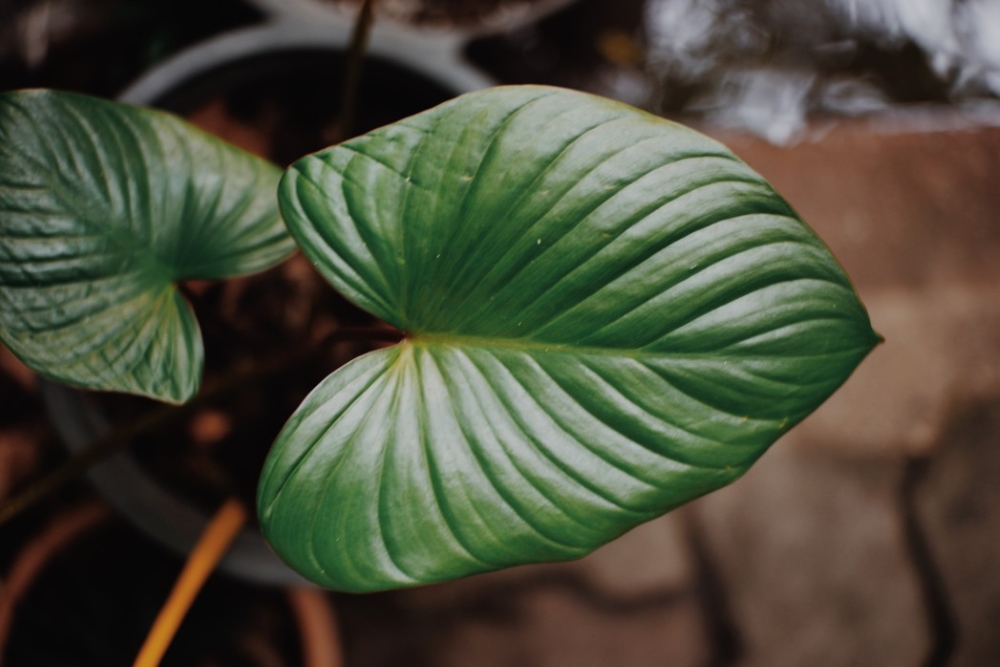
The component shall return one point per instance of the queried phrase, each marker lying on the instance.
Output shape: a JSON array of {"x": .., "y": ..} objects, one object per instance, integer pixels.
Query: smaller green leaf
[{"x": 103, "y": 208}]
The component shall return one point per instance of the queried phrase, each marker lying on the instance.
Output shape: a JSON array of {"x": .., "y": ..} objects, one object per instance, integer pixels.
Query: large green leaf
[
  {"x": 103, "y": 208},
  {"x": 607, "y": 315}
]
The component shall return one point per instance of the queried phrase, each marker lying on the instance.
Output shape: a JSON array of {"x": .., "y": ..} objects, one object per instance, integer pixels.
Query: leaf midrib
[{"x": 534, "y": 346}]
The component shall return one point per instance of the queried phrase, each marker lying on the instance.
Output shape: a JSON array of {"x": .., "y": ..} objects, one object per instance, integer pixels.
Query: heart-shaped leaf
[
  {"x": 103, "y": 208},
  {"x": 607, "y": 315}
]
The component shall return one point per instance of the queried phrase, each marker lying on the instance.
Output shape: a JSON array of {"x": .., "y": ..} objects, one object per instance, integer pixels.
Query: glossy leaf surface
[
  {"x": 607, "y": 315},
  {"x": 103, "y": 209}
]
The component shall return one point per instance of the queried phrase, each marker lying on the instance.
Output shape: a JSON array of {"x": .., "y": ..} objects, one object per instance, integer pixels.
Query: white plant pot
[{"x": 158, "y": 512}]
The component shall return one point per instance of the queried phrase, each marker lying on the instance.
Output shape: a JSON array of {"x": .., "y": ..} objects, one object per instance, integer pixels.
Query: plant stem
[
  {"x": 211, "y": 547},
  {"x": 355, "y": 62},
  {"x": 167, "y": 414}
]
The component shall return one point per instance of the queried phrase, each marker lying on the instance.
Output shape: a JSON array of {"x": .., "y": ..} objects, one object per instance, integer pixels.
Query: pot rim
[{"x": 440, "y": 61}]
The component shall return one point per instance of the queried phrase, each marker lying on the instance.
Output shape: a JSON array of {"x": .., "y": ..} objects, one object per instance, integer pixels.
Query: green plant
[{"x": 604, "y": 314}]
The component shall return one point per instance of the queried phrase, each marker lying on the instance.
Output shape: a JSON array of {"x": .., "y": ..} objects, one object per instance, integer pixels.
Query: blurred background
[{"x": 870, "y": 535}]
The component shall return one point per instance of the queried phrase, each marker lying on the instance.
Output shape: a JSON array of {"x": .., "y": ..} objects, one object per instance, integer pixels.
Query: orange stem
[{"x": 211, "y": 547}]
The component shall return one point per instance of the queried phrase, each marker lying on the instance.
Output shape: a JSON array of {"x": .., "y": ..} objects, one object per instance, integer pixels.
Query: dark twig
[{"x": 355, "y": 63}]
